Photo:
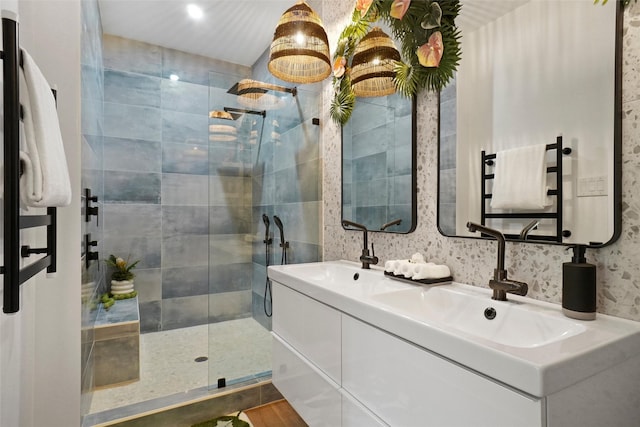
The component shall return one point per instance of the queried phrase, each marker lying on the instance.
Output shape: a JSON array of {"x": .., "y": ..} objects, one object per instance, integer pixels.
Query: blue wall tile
[
  {"x": 121, "y": 87},
  {"x": 133, "y": 56},
  {"x": 185, "y": 158},
  {"x": 130, "y": 121},
  {"x": 124, "y": 154},
  {"x": 146, "y": 249},
  {"x": 185, "y": 311},
  {"x": 180, "y": 189},
  {"x": 132, "y": 187},
  {"x": 185, "y": 250},
  {"x": 185, "y": 281},
  {"x": 177, "y": 220},
  {"x": 230, "y": 277},
  {"x": 185, "y": 97},
  {"x": 185, "y": 127},
  {"x": 132, "y": 220}
]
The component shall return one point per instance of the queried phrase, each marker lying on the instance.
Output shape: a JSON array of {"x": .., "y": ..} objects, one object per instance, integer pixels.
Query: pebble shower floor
[{"x": 235, "y": 348}]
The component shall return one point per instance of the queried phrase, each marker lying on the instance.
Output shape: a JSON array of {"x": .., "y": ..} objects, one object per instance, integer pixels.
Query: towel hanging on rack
[
  {"x": 45, "y": 179},
  {"x": 520, "y": 179}
]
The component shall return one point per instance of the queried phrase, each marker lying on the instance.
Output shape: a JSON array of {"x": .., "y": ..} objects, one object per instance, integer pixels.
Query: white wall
[{"x": 40, "y": 345}]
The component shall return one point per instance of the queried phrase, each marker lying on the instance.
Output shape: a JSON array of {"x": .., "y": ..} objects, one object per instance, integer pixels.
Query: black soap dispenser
[{"x": 579, "y": 286}]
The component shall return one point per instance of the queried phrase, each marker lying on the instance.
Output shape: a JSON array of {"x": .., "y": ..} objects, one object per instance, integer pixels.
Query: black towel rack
[
  {"x": 487, "y": 160},
  {"x": 14, "y": 276}
]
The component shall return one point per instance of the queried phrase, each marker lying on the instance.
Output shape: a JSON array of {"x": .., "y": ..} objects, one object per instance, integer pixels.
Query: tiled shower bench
[{"x": 117, "y": 344}]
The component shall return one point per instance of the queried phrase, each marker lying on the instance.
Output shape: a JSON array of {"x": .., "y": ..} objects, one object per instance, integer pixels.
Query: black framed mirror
[
  {"x": 379, "y": 164},
  {"x": 534, "y": 74}
]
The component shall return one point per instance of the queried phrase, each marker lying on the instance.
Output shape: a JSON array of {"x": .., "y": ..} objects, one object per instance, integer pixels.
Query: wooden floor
[{"x": 275, "y": 414}]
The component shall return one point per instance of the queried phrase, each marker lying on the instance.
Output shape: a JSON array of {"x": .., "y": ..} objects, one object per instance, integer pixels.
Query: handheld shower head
[
  {"x": 278, "y": 222},
  {"x": 265, "y": 219}
]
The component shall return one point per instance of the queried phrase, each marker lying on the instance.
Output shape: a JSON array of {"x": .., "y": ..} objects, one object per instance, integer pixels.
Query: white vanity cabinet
[
  {"x": 344, "y": 358},
  {"x": 306, "y": 356},
  {"x": 408, "y": 386},
  {"x": 338, "y": 371}
]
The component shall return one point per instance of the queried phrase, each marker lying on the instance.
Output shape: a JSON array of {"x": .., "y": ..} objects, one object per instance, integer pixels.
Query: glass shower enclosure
[{"x": 264, "y": 176}]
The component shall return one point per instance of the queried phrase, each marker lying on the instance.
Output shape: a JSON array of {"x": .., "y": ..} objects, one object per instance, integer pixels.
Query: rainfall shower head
[
  {"x": 248, "y": 87},
  {"x": 259, "y": 95}
]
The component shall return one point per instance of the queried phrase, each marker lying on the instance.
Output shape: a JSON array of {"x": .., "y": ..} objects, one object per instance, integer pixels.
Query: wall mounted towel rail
[
  {"x": 560, "y": 233},
  {"x": 14, "y": 276}
]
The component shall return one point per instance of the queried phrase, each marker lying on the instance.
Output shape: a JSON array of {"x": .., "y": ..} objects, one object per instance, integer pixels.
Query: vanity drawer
[
  {"x": 407, "y": 386},
  {"x": 311, "y": 393},
  {"x": 354, "y": 414},
  {"x": 310, "y": 327}
]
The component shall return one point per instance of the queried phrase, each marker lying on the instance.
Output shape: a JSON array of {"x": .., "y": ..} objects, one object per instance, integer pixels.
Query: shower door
[{"x": 263, "y": 162}]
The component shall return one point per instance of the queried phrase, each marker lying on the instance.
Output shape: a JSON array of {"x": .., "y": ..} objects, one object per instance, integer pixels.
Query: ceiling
[{"x": 236, "y": 31}]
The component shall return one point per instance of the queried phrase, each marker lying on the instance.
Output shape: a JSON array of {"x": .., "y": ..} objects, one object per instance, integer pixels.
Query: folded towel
[
  {"x": 430, "y": 271},
  {"x": 520, "y": 180},
  {"x": 406, "y": 268},
  {"x": 388, "y": 266},
  {"x": 45, "y": 179},
  {"x": 417, "y": 257}
]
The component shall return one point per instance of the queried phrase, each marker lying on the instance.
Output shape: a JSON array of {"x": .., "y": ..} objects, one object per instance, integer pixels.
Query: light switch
[{"x": 592, "y": 186}]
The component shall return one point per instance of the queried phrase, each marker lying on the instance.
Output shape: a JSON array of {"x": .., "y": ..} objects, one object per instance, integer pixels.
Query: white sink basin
[
  {"x": 341, "y": 277},
  {"x": 515, "y": 324}
]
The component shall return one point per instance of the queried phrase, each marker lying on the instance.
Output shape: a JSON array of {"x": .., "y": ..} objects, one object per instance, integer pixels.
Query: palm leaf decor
[{"x": 430, "y": 47}]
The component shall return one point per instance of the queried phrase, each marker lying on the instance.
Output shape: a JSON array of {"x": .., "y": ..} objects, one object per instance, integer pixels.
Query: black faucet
[
  {"x": 500, "y": 284},
  {"x": 365, "y": 258},
  {"x": 527, "y": 228},
  {"x": 391, "y": 223}
]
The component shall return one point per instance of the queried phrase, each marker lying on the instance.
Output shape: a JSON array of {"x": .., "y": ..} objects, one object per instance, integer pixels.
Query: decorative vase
[{"x": 121, "y": 287}]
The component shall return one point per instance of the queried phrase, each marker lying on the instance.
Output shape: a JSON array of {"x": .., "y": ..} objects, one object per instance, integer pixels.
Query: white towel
[
  {"x": 430, "y": 271},
  {"x": 520, "y": 180},
  {"x": 406, "y": 268},
  {"x": 417, "y": 258},
  {"x": 45, "y": 179}
]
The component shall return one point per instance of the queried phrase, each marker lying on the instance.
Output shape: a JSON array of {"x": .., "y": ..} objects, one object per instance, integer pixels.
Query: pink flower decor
[
  {"x": 339, "y": 67},
  {"x": 430, "y": 53},
  {"x": 399, "y": 8},
  {"x": 363, "y": 6}
]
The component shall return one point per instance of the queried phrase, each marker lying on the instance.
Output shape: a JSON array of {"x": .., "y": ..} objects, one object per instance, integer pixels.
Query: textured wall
[{"x": 472, "y": 261}]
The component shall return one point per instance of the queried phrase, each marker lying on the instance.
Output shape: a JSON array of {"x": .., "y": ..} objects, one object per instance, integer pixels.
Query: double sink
[{"x": 524, "y": 343}]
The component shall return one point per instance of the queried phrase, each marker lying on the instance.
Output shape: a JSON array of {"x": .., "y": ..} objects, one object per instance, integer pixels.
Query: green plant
[
  {"x": 224, "y": 421},
  {"x": 122, "y": 268},
  {"x": 420, "y": 27}
]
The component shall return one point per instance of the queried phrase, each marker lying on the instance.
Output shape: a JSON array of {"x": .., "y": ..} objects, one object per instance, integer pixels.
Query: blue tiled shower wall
[
  {"x": 92, "y": 177},
  {"x": 180, "y": 203}
]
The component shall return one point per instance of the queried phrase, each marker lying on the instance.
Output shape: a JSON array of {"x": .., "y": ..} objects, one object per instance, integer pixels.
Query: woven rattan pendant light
[
  {"x": 372, "y": 66},
  {"x": 300, "y": 48}
]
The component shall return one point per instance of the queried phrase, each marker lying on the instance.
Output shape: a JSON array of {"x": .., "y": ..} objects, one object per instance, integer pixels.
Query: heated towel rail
[
  {"x": 14, "y": 276},
  {"x": 560, "y": 233}
]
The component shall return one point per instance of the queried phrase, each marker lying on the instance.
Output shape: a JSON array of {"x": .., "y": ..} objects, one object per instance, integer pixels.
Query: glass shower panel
[
  {"x": 239, "y": 347},
  {"x": 264, "y": 168}
]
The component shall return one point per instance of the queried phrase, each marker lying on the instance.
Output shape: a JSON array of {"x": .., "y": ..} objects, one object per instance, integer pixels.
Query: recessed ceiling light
[
  {"x": 194, "y": 11},
  {"x": 174, "y": 77}
]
